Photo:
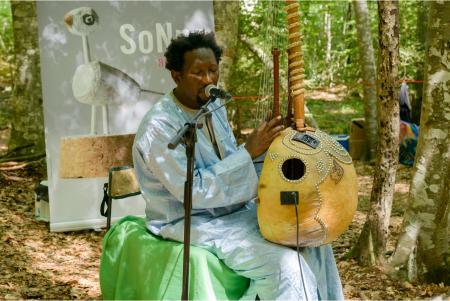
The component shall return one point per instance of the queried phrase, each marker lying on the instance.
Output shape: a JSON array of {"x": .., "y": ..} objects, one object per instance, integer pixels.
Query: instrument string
[
  {"x": 275, "y": 36},
  {"x": 264, "y": 102}
]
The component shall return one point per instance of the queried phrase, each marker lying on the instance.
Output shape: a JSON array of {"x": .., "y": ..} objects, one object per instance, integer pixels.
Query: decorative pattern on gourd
[{"x": 320, "y": 171}]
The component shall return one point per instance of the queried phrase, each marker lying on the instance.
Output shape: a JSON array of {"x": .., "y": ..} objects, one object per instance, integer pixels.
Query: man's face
[{"x": 200, "y": 69}]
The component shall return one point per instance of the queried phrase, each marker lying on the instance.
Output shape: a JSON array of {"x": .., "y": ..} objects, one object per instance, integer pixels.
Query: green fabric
[{"x": 138, "y": 265}]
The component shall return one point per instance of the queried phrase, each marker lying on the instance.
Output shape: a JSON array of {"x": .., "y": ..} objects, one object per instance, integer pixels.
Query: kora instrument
[{"x": 308, "y": 191}]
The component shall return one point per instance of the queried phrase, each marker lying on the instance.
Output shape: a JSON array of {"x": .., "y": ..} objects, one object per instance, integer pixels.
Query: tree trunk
[
  {"x": 226, "y": 19},
  {"x": 372, "y": 241},
  {"x": 368, "y": 73},
  {"x": 26, "y": 108},
  {"x": 426, "y": 219}
]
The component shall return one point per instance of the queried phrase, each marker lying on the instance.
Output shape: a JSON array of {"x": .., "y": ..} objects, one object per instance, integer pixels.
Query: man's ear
[{"x": 176, "y": 76}]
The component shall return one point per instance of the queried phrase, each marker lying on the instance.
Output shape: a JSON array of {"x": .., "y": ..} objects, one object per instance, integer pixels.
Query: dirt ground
[{"x": 38, "y": 264}]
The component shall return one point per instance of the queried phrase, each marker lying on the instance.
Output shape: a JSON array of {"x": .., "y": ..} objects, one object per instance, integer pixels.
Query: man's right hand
[{"x": 261, "y": 138}]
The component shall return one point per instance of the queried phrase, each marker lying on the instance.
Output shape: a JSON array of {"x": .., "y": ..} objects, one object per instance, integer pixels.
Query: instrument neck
[
  {"x": 276, "y": 82},
  {"x": 296, "y": 69}
]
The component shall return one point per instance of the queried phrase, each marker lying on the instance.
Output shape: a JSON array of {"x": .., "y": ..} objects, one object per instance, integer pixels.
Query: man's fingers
[
  {"x": 276, "y": 131},
  {"x": 262, "y": 125},
  {"x": 274, "y": 122}
]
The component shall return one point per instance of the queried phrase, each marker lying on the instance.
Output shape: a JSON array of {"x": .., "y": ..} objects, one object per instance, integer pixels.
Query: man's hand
[{"x": 261, "y": 138}]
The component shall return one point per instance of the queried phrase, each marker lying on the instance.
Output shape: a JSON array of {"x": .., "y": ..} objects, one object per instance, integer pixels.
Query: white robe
[{"x": 224, "y": 214}]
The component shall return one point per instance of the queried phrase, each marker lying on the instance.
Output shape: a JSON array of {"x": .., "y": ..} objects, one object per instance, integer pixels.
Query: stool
[{"x": 122, "y": 183}]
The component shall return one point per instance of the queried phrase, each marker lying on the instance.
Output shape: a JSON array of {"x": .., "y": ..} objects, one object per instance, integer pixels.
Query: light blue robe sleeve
[{"x": 226, "y": 182}]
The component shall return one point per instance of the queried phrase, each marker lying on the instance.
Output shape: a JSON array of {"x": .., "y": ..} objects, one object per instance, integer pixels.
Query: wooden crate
[{"x": 357, "y": 141}]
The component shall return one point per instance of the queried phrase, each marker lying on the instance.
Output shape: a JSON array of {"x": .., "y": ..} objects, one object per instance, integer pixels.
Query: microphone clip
[{"x": 214, "y": 91}]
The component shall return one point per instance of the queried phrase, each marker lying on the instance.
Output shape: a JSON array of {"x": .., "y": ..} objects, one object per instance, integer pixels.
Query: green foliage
[
  {"x": 334, "y": 117},
  {"x": 411, "y": 50},
  {"x": 264, "y": 23},
  {"x": 344, "y": 51},
  {"x": 6, "y": 33},
  {"x": 257, "y": 24},
  {"x": 6, "y": 44},
  {"x": 6, "y": 59}
]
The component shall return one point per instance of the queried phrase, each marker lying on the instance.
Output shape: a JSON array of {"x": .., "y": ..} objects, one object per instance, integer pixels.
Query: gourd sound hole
[{"x": 293, "y": 169}]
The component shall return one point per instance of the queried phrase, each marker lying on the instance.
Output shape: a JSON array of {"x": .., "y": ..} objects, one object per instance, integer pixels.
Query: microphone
[{"x": 214, "y": 91}]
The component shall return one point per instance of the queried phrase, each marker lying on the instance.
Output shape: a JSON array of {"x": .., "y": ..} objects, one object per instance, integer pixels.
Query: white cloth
[{"x": 224, "y": 215}]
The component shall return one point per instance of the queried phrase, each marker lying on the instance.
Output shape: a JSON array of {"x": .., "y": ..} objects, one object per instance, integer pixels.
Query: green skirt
[{"x": 136, "y": 265}]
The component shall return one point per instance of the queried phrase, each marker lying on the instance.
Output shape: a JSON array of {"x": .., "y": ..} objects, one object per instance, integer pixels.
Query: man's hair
[{"x": 182, "y": 44}]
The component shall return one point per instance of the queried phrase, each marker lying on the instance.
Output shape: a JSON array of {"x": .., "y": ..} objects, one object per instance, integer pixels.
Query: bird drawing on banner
[{"x": 95, "y": 82}]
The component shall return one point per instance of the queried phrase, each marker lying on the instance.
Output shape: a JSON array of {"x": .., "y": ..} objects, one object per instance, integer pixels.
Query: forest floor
[{"x": 38, "y": 264}]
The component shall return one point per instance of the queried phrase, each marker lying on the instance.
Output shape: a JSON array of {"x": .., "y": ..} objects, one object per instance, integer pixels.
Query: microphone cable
[{"x": 221, "y": 106}]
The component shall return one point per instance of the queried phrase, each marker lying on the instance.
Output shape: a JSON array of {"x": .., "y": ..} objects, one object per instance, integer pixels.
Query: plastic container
[{"x": 343, "y": 140}]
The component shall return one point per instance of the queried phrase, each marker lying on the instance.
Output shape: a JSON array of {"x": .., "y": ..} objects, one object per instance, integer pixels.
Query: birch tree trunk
[
  {"x": 226, "y": 19},
  {"x": 369, "y": 75},
  {"x": 26, "y": 108},
  {"x": 424, "y": 242},
  {"x": 372, "y": 241}
]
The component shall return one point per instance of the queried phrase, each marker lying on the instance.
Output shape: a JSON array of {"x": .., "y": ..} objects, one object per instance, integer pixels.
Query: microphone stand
[{"x": 188, "y": 135}]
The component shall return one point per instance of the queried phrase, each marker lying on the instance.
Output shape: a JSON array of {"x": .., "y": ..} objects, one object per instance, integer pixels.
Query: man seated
[{"x": 224, "y": 218}]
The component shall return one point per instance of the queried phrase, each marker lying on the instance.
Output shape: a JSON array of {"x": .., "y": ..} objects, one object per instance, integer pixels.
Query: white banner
[{"x": 130, "y": 39}]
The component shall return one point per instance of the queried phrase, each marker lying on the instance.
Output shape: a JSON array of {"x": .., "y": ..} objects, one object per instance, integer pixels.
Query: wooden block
[{"x": 92, "y": 156}]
